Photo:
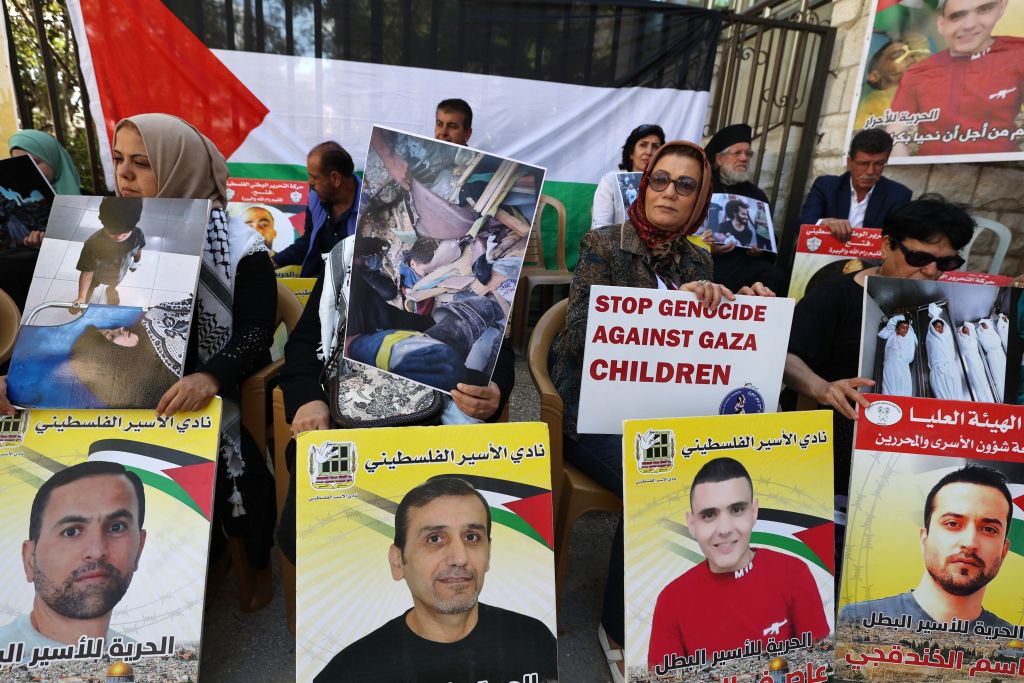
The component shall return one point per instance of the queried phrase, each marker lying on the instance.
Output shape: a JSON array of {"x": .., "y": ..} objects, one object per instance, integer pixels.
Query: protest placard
[
  {"x": 660, "y": 353},
  {"x": 274, "y": 208},
  {"x": 739, "y": 220},
  {"x": 107, "y": 531},
  {"x": 936, "y": 339},
  {"x": 440, "y": 243},
  {"x": 109, "y": 311},
  {"x": 25, "y": 198},
  {"x": 465, "y": 503},
  {"x": 729, "y": 546},
  {"x": 931, "y": 579},
  {"x": 946, "y": 79}
]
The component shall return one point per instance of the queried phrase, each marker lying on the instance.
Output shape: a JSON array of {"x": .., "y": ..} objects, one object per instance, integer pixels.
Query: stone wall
[{"x": 993, "y": 190}]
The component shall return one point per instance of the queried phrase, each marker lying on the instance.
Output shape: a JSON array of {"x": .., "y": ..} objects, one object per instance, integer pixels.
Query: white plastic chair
[{"x": 1003, "y": 235}]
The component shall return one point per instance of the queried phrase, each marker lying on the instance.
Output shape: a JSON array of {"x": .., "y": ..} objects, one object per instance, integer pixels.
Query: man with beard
[
  {"x": 84, "y": 543},
  {"x": 730, "y": 154},
  {"x": 964, "y": 540},
  {"x": 442, "y": 550}
]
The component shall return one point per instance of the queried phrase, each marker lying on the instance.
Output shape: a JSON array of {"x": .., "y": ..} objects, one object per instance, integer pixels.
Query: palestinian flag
[
  {"x": 897, "y": 16},
  {"x": 806, "y": 536},
  {"x": 557, "y": 84},
  {"x": 183, "y": 476}
]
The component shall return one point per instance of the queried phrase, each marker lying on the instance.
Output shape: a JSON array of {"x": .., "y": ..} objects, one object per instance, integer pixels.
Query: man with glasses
[
  {"x": 731, "y": 154},
  {"x": 861, "y": 197},
  {"x": 920, "y": 241}
]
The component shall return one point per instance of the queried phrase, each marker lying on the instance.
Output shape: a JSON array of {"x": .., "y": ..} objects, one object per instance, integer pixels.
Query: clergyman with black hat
[
  {"x": 730, "y": 153},
  {"x": 111, "y": 251}
]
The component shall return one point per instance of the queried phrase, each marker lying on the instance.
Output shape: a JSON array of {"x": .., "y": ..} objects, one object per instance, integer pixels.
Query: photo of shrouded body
[{"x": 441, "y": 238}]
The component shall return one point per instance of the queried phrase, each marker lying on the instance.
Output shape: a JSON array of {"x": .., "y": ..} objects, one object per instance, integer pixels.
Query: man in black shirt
[
  {"x": 442, "y": 550},
  {"x": 109, "y": 253}
]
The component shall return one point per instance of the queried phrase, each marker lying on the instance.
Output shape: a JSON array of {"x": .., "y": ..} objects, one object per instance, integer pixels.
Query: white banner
[{"x": 660, "y": 353}]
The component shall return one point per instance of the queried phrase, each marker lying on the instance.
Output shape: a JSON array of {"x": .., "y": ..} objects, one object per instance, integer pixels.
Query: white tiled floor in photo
[
  {"x": 50, "y": 256},
  {"x": 177, "y": 272}
]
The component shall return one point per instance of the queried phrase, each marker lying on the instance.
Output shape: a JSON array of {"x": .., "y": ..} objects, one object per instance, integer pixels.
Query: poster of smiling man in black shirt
[{"x": 442, "y": 550}]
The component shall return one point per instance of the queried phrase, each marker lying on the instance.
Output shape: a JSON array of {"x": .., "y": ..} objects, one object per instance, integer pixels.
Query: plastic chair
[
  {"x": 574, "y": 493},
  {"x": 1003, "y": 237},
  {"x": 10, "y": 320},
  {"x": 254, "y": 406},
  {"x": 535, "y": 273}
]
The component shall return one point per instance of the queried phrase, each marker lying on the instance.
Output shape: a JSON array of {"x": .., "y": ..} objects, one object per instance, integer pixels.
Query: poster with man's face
[
  {"x": 741, "y": 221},
  {"x": 436, "y": 545},
  {"x": 105, "y": 542},
  {"x": 441, "y": 236},
  {"x": 932, "y": 566},
  {"x": 729, "y": 546},
  {"x": 945, "y": 78}
]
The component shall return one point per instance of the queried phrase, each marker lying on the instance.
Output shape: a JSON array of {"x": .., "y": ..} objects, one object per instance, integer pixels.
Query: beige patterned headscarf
[{"x": 187, "y": 163}]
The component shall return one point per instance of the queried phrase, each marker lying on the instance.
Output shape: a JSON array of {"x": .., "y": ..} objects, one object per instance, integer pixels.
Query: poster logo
[
  {"x": 13, "y": 428},
  {"x": 813, "y": 244},
  {"x": 296, "y": 196},
  {"x": 655, "y": 451},
  {"x": 230, "y": 194},
  {"x": 883, "y": 413},
  {"x": 332, "y": 465},
  {"x": 746, "y": 399}
]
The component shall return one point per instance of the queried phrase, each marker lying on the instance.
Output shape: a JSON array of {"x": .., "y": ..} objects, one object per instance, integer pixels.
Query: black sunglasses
[
  {"x": 685, "y": 185},
  {"x": 920, "y": 259}
]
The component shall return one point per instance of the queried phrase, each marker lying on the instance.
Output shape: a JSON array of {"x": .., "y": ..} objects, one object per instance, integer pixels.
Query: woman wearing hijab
[
  {"x": 650, "y": 250},
  {"x": 54, "y": 162},
  {"x": 995, "y": 356},
  {"x": 945, "y": 376},
  {"x": 900, "y": 347},
  {"x": 967, "y": 337},
  {"x": 640, "y": 145},
  {"x": 156, "y": 155}
]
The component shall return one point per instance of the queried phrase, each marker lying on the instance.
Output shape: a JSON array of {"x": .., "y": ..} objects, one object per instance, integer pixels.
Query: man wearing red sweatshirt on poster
[{"x": 738, "y": 593}]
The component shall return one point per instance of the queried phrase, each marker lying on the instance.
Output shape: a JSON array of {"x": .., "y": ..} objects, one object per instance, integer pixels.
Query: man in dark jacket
[
  {"x": 861, "y": 197},
  {"x": 332, "y": 210}
]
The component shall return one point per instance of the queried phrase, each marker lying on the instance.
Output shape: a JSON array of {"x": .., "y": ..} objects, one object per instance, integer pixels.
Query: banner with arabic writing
[
  {"x": 729, "y": 544},
  {"x": 946, "y": 79},
  {"x": 933, "y": 561},
  {"x": 351, "y": 485},
  {"x": 274, "y": 208},
  {"x": 106, "y": 535},
  {"x": 936, "y": 339}
]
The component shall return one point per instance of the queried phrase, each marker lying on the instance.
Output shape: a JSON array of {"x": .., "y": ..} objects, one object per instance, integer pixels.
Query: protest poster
[
  {"x": 441, "y": 236},
  {"x": 931, "y": 579},
  {"x": 820, "y": 256},
  {"x": 743, "y": 221},
  {"x": 109, "y": 310},
  {"x": 661, "y": 353},
  {"x": 729, "y": 545},
  {"x": 25, "y": 198},
  {"x": 935, "y": 339},
  {"x": 274, "y": 208},
  {"x": 109, "y": 579},
  {"x": 301, "y": 287},
  {"x": 351, "y": 484},
  {"x": 946, "y": 79}
]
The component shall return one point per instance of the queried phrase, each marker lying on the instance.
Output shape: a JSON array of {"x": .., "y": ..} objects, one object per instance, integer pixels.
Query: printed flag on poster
[
  {"x": 147, "y": 587},
  {"x": 477, "y": 540},
  {"x": 945, "y": 340},
  {"x": 945, "y": 78},
  {"x": 437, "y": 256},
  {"x": 660, "y": 353},
  {"x": 109, "y": 311},
  {"x": 820, "y": 256},
  {"x": 308, "y": 75},
  {"x": 729, "y": 545},
  {"x": 933, "y": 561}
]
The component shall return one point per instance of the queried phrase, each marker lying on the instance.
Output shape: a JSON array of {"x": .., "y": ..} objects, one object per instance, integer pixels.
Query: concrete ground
[{"x": 257, "y": 648}]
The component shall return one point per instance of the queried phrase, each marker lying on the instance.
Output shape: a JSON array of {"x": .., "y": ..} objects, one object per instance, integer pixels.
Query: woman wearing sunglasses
[{"x": 649, "y": 250}]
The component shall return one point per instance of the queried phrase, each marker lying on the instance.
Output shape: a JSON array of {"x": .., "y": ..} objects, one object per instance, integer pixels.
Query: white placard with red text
[{"x": 659, "y": 353}]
